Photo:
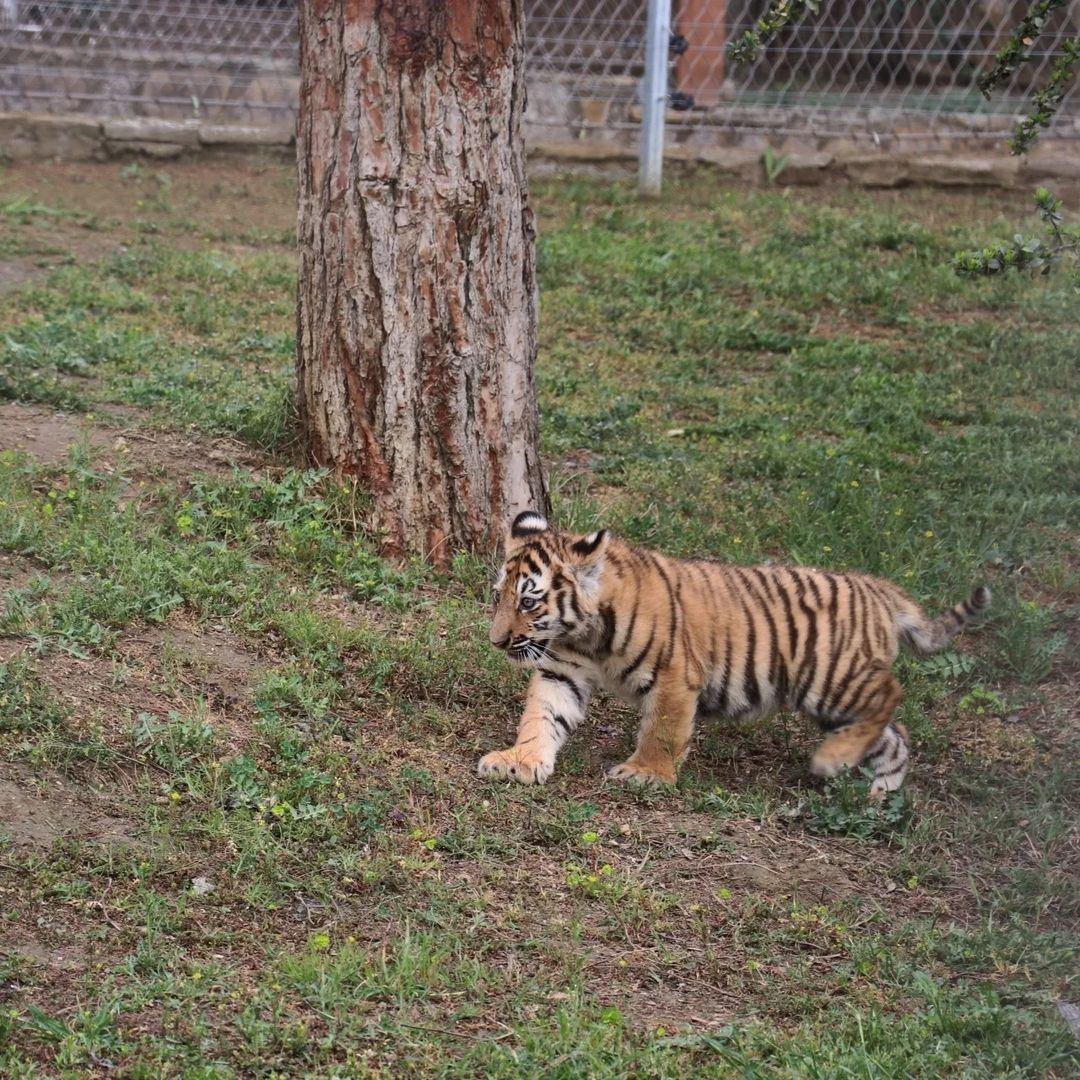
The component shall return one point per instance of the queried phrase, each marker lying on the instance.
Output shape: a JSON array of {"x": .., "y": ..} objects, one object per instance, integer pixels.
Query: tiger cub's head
[{"x": 547, "y": 589}]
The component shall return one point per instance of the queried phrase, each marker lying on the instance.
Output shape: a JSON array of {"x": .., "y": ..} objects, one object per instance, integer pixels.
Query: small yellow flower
[
  {"x": 175, "y": 796},
  {"x": 736, "y": 540},
  {"x": 854, "y": 483},
  {"x": 826, "y": 548},
  {"x": 928, "y": 534},
  {"x": 196, "y": 975}
]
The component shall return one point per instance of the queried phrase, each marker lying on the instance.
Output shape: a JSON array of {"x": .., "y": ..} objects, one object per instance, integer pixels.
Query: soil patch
[
  {"x": 63, "y": 246},
  {"x": 38, "y": 809},
  {"x": 127, "y": 200},
  {"x": 158, "y": 671},
  {"x": 48, "y": 436},
  {"x": 209, "y": 661}
]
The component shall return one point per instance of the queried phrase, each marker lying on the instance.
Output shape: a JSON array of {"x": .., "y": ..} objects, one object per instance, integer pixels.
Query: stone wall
[{"x": 30, "y": 137}]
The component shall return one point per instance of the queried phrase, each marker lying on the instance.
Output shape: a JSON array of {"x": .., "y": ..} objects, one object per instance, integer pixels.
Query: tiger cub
[{"x": 684, "y": 639}]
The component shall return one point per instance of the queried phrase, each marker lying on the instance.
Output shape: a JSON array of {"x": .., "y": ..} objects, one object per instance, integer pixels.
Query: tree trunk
[{"x": 416, "y": 321}]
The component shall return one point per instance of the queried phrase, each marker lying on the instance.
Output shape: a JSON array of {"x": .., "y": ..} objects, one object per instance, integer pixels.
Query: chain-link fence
[{"x": 878, "y": 69}]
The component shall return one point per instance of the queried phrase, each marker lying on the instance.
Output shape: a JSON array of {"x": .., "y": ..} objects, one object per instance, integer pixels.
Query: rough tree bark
[{"x": 417, "y": 309}]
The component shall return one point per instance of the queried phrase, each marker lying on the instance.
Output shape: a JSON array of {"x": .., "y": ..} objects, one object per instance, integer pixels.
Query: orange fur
[{"x": 687, "y": 638}]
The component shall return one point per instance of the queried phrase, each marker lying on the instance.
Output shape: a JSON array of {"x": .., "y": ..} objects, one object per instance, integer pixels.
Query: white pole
[{"x": 654, "y": 98}]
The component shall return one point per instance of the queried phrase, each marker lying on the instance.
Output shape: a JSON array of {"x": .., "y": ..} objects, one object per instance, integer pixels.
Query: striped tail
[{"x": 925, "y": 635}]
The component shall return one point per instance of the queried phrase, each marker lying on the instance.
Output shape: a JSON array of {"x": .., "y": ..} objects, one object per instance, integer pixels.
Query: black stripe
[
  {"x": 847, "y": 639},
  {"x": 531, "y": 563},
  {"x": 751, "y": 690},
  {"x": 885, "y": 616},
  {"x": 561, "y": 597},
  {"x": 691, "y": 658},
  {"x": 586, "y": 547},
  {"x": 645, "y": 687},
  {"x": 557, "y": 676},
  {"x": 842, "y": 685},
  {"x": 777, "y": 669},
  {"x": 672, "y": 611},
  {"x": 722, "y": 698},
  {"x": 789, "y": 614},
  {"x": 708, "y": 597},
  {"x": 852, "y": 623},
  {"x": 607, "y": 630},
  {"x": 864, "y": 616},
  {"x": 539, "y": 552},
  {"x": 835, "y": 639},
  {"x": 639, "y": 659},
  {"x": 854, "y": 704},
  {"x": 575, "y": 607},
  {"x": 630, "y": 626},
  {"x": 832, "y": 723},
  {"x": 561, "y": 721},
  {"x": 810, "y": 658},
  {"x": 887, "y": 755},
  {"x": 891, "y": 772},
  {"x": 703, "y": 574}
]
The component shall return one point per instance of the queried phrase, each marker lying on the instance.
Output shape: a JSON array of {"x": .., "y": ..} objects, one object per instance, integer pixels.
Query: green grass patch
[{"x": 313, "y": 882}]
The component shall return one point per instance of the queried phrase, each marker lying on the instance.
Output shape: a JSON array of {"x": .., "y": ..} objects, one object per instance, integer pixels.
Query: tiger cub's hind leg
[
  {"x": 873, "y": 737},
  {"x": 889, "y": 758}
]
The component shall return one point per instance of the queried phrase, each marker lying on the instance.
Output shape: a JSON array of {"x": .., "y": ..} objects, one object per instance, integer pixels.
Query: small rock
[
  {"x": 201, "y": 885},
  {"x": 1070, "y": 1013}
]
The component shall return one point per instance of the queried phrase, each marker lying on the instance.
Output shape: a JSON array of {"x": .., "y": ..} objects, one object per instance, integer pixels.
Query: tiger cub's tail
[{"x": 925, "y": 635}]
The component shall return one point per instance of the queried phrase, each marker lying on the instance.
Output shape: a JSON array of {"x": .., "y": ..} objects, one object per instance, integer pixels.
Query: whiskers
[{"x": 527, "y": 651}]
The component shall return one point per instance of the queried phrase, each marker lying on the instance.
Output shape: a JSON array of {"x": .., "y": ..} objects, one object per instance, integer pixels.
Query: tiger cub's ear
[
  {"x": 528, "y": 524},
  {"x": 587, "y": 553},
  {"x": 591, "y": 547}
]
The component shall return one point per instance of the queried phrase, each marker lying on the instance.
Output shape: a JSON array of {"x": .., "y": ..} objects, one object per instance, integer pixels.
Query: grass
[{"x": 255, "y": 739}]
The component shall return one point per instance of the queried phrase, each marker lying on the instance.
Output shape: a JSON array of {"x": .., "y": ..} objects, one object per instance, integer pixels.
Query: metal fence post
[{"x": 654, "y": 98}]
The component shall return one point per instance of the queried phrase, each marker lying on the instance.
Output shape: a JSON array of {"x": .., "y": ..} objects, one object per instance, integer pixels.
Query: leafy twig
[
  {"x": 1045, "y": 103},
  {"x": 1015, "y": 53},
  {"x": 782, "y": 13},
  {"x": 1025, "y": 253}
]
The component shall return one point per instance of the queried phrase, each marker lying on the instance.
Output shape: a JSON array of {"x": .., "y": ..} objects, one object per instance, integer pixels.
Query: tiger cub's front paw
[
  {"x": 515, "y": 765},
  {"x": 636, "y": 773}
]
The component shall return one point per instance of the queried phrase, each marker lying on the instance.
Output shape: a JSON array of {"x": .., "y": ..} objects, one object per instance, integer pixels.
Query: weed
[
  {"x": 773, "y": 164},
  {"x": 844, "y": 807}
]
